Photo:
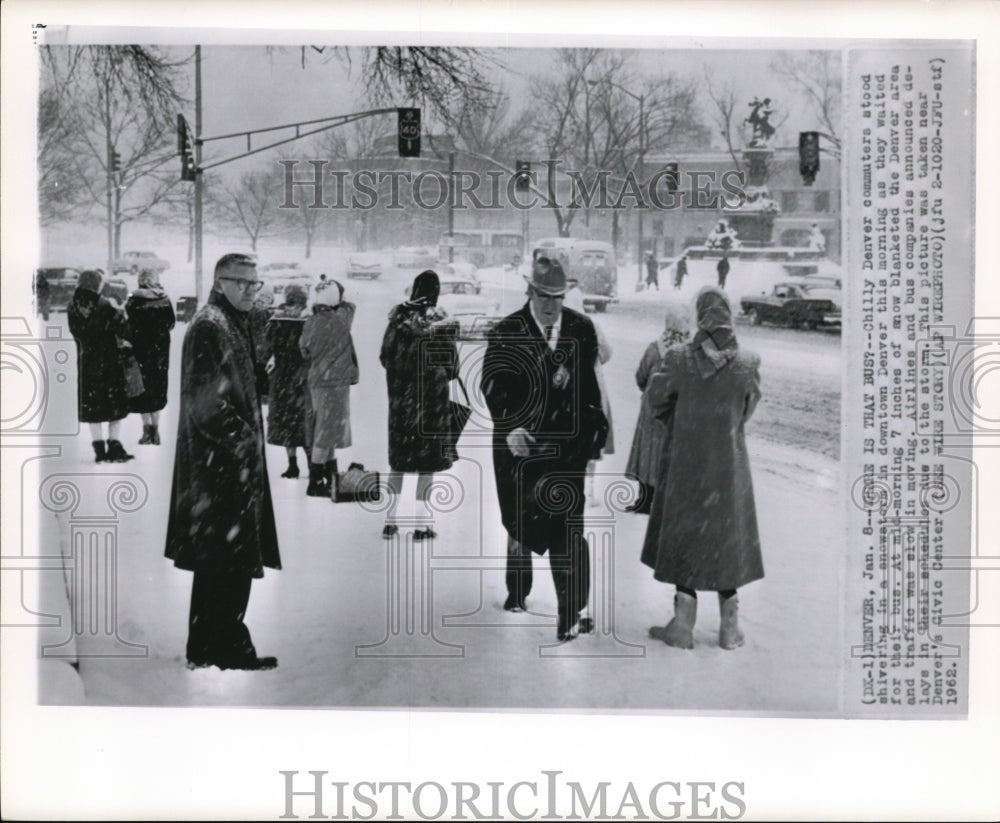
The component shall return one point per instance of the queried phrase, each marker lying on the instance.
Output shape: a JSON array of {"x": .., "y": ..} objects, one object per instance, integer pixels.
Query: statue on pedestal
[{"x": 759, "y": 120}]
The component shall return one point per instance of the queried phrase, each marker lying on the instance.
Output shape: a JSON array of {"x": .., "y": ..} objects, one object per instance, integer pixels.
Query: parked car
[
  {"x": 461, "y": 270},
  {"x": 415, "y": 257},
  {"x": 62, "y": 281},
  {"x": 364, "y": 264},
  {"x": 115, "y": 288},
  {"x": 281, "y": 275},
  {"x": 795, "y": 305},
  {"x": 463, "y": 301},
  {"x": 135, "y": 262}
]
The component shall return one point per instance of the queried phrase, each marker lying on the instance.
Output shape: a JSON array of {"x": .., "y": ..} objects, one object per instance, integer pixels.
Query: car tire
[
  {"x": 753, "y": 317},
  {"x": 601, "y": 307}
]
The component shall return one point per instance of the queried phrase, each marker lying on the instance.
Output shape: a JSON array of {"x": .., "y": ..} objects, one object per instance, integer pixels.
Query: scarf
[{"x": 714, "y": 345}]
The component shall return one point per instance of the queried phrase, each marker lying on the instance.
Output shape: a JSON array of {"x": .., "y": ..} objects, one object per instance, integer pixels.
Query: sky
[{"x": 249, "y": 87}]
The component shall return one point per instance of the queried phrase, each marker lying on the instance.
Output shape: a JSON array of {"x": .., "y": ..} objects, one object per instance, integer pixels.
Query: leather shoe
[
  {"x": 586, "y": 625},
  {"x": 569, "y": 634},
  {"x": 424, "y": 534},
  {"x": 390, "y": 530},
  {"x": 513, "y": 605}
]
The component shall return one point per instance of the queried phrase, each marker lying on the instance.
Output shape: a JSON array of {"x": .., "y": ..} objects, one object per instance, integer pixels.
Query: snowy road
[{"x": 330, "y": 613}]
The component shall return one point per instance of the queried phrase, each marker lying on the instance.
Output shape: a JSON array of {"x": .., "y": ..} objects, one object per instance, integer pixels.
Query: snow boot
[
  {"x": 293, "y": 468},
  {"x": 317, "y": 481},
  {"x": 154, "y": 433},
  {"x": 147, "y": 437},
  {"x": 679, "y": 632},
  {"x": 117, "y": 453},
  {"x": 100, "y": 454},
  {"x": 730, "y": 635}
]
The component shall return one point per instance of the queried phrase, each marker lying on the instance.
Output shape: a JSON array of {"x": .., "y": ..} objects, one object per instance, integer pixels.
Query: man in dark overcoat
[
  {"x": 221, "y": 523},
  {"x": 540, "y": 385}
]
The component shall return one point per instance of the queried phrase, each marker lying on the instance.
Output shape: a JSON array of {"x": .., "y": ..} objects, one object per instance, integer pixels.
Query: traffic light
[
  {"x": 672, "y": 176},
  {"x": 522, "y": 176},
  {"x": 185, "y": 148},
  {"x": 408, "y": 129},
  {"x": 808, "y": 156},
  {"x": 116, "y": 161}
]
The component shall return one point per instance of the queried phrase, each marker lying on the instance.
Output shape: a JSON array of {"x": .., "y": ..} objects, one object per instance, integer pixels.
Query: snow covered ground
[{"x": 327, "y": 614}]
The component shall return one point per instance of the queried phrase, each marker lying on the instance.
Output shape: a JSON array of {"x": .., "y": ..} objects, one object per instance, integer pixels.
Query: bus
[{"x": 485, "y": 247}]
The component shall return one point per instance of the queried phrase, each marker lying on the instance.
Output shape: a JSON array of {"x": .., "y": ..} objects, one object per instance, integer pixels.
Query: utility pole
[
  {"x": 642, "y": 164},
  {"x": 198, "y": 182},
  {"x": 451, "y": 207}
]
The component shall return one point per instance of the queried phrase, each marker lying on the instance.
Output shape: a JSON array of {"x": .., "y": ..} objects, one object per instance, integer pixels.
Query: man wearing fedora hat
[{"x": 540, "y": 385}]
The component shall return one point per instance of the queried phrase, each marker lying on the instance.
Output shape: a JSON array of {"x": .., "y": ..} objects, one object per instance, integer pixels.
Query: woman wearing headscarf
[
  {"x": 648, "y": 440},
  {"x": 574, "y": 301},
  {"x": 328, "y": 349},
  {"x": 286, "y": 413},
  {"x": 97, "y": 324},
  {"x": 418, "y": 374},
  {"x": 150, "y": 320},
  {"x": 702, "y": 532}
]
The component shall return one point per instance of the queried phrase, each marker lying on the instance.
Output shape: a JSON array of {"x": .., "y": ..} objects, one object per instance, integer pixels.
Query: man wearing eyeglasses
[
  {"x": 541, "y": 387},
  {"x": 221, "y": 523}
]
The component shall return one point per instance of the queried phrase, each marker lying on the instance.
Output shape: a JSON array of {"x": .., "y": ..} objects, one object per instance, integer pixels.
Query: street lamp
[{"x": 642, "y": 152}]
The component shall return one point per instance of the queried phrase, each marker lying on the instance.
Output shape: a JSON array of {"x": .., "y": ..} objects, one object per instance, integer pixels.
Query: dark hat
[
  {"x": 426, "y": 288},
  {"x": 296, "y": 295},
  {"x": 547, "y": 277},
  {"x": 90, "y": 280}
]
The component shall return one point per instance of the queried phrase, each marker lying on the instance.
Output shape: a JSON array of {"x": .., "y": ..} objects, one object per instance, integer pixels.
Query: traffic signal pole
[{"x": 198, "y": 183}]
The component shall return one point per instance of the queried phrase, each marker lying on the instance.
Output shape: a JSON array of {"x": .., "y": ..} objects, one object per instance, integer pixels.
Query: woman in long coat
[
  {"x": 327, "y": 347},
  {"x": 97, "y": 324},
  {"x": 647, "y": 442},
  {"x": 286, "y": 412},
  {"x": 702, "y": 532},
  {"x": 418, "y": 373},
  {"x": 150, "y": 320}
]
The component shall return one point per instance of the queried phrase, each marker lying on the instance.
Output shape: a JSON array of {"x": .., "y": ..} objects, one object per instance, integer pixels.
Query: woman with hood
[
  {"x": 702, "y": 531},
  {"x": 418, "y": 372},
  {"x": 328, "y": 349},
  {"x": 286, "y": 413},
  {"x": 648, "y": 441},
  {"x": 150, "y": 320},
  {"x": 97, "y": 324}
]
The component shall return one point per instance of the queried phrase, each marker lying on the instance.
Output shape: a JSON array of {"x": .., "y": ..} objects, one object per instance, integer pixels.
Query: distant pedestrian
[
  {"x": 328, "y": 349},
  {"x": 722, "y": 269},
  {"x": 652, "y": 271},
  {"x": 420, "y": 357},
  {"x": 680, "y": 271},
  {"x": 289, "y": 395},
  {"x": 221, "y": 523},
  {"x": 99, "y": 325},
  {"x": 651, "y": 435},
  {"x": 150, "y": 321},
  {"x": 702, "y": 531}
]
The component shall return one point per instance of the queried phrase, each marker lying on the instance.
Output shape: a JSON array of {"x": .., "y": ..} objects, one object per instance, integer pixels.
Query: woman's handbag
[
  {"x": 460, "y": 414},
  {"x": 130, "y": 366},
  {"x": 356, "y": 485}
]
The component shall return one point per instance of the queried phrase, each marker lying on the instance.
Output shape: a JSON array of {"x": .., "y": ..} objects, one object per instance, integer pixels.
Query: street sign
[
  {"x": 185, "y": 148},
  {"x": 408, "y": 124}
]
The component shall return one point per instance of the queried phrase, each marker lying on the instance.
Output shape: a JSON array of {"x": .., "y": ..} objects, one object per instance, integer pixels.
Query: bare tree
[
  {"x": 597, "y": 114},
  {"x": 103, "y": 104},
  {"x": 817, "y": 75},
  {"x": 250, "y": 205},
  {"x": 440, "y": 78}
]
